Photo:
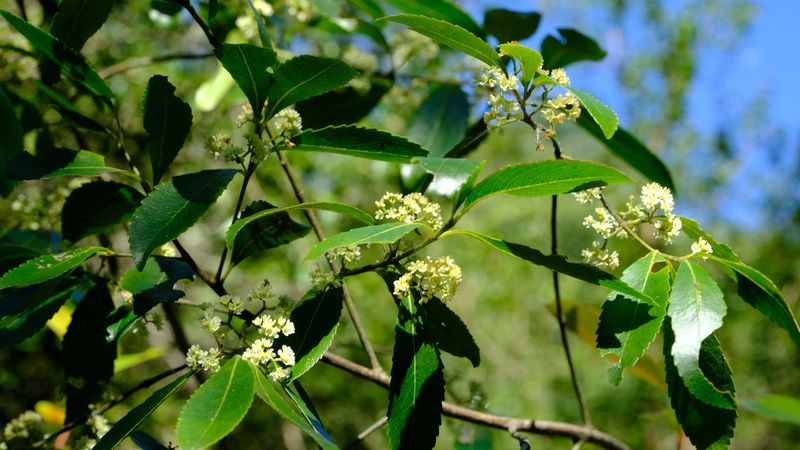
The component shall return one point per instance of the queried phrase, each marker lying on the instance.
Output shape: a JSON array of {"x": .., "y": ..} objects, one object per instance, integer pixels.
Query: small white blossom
[
  {"x": 287, "y": 123},
  {"x": 280, "y": 373},
  {"x": 286, "y": 355},
  {"x": 99, "y": 424},
  {"x": 302, "y": 10},
  {"x": 561, "y": 109},
  {"x": 559, "y": 76},
  {"x": 702, "y": 246},
  {"x": 349, "y": 253},
  {"x": 263, "y": 293},
  {"x": 260, "y": 352},
  {"x": 21, "y": 426},
  {"x": 246, "y": 114},
  {"x": 430, "y": 278},
  {"x": 210, "y": 322},
  {"x": 263, "y": 8},
  {"x": 320, "y": 279},
  {"x": 599, "y": 256},
  {"x": 654, "y": 195},
  {"x": 604, "y": 224},
  {"x": 85, "y": 443},
  {"x": 668, "y": 227},
  {"x": 408, "y": 44},
  {"x": 198, "y": 358},
  {"x": 233, "y": 304},
  {"x": 495, "y": 77},
  {"x": 411, "y": 208},
  {"x": 587, "y": 196}
]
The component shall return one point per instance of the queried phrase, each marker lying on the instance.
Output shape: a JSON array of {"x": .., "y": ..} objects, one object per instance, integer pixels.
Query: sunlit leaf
[
  {"x": 386, "y": 233},
  {"x": 47, "y": 267}
]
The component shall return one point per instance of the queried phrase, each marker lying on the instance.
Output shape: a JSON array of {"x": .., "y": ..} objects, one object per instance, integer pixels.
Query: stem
[
  {"x": 134, "y": 63},
  {"x": 218, "y": 288},
  {"x": 187, "y": 4},
  {"x": 22, "y": 12},
  {"x": 369, "y": 430},
  {"x": 218, "y": 279}
]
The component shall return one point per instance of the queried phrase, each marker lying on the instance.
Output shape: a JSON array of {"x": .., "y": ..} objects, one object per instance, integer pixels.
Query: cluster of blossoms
[
  {"x": 364, "y": 62},
  {"x": 411, "y": 208},
  {"x": 302, "y": 10},
  {"x": 430, "y": 278},
  {"x": 600, "y": 256},
  {"x": 22, "y": 426},
  {"x": 287, "y": 123},
  {"x": 503, "y": 106},
  {"x": 657, "y": 207},
  {"x": 349, "y": 253},
  {"x": 561, "y": 109},
  {"x": 261, "y": 351},
  {"x": 221, "y": 146},
  {"x": 320, "y": 279},
  {"x": 407, "y": 44},
  {"x": 198, "y": 358},
  {"x": 702, "y": 247}
]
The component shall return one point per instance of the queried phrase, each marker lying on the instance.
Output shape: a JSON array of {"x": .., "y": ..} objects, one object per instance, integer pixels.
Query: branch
[
  {"x": 135, "y": 63},
  {"x": 539, "y": 427},
  {"x": 187, "y": 4}
]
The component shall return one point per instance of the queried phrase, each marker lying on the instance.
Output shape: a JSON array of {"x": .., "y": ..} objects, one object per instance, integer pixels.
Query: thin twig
[
  {"x": 251, "y": 167},
  {"x": 134, "y": 63},
  {"x": 367, "y": 431},
  {"x": 539, "y": 427},
  {"x": 218, "y": 288},
  {"x": 187, "y": 4}
]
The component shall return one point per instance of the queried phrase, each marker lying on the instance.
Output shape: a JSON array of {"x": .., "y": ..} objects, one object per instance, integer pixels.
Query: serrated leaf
[
  {"x": 303, "y": 403},
  {"x": 444, "y": 327},
  {"x": 88, "y": 355},
  {"x": 167, "y": 119},
  {"x": 573, "y": 47},
  {"x": 696, "y": 309},
  {"x": 385, "y": 233},
  {"x": 74, "y": 23},
  {"x": 154, "y": 284},
  {"x": 450, "y": 35},
  {"x": 135, "y": 417},
  {"x": 544, "y": 178},
  {"x": 265, "y": 233},
  {"x": 452, "y": 177},
  {"x": 172, "y": 208},
  {"x": 60, "y": 162},
  {"x": 509, "y": 26},
  {"x": 627, "y": 326},
  {"x": 340, "y": 208},
  {"x": 779, "y": 408},
  {"x": 441, "y": 120},
  {"x": 97, "y": 207},
  {"x": 706, "y": 426},
  {"x": 693, "y": 229},
  {"x": 359, "y": 142},
  {"x": 248, "y": 66},
  {"x": 316, "y": 319},
  {"x": 439, "y": 9},
  {"x": 304, "y": 77},
  {"x": 47, "y": 267},
  {"x": 628, "y": 148},
  {"x": 604, "y": 116},
  {"x": 72, "y": 63},
  {"x": 24, "y": 311},
  {"x": 11, "y": 145},
  {"x": 342, "y": 106},
  {"x": 530, "y": 59},
  {"x": 218, "y": 405}
]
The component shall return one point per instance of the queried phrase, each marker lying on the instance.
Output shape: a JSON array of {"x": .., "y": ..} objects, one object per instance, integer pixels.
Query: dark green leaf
[
  {"x": 168, "y": 119},
  {"x": 509, "y": 26},
  {"x": 248, "y": 66},
  {"x": 72, "y": 63},
  {"x": 360, "y": 142},
  {"x": 544, "y": 178},
  {"x": 59, "y": 162},
  {"x": 450, "y": 35},
  {"x": 119, "y": 322},
  {"x": 385, "y": 233},
  {"x": 265, "y": 233},
  {"x": 439, "y": 9},
  {"x": 696, "y": 309},
  {"x": 74, "y": 23},
  {"x": 445, "y": 328},
  {"x": 530, "y": 59},
  {"x": 627, "y": 147},
  {"x": 779, "y": 408},
  {"x": 215, "y": 409},
  {"x": 263, "y": 33},
  {"x": 304, "y": 77},
  {"x": 12, "y": 255},
  {"x": 604, "y": 116},
  {"x": 476, "y": 134},
  {"x": 441, "y": 120},
  {"x": 693, "y": 229},
  {"x": 342, "y": 107},
  {"x": 24, "y": 311},
  {"x": 154, "y": 284},
  {"x": 97, "y": 207},
  {"x": 11, "y": 144},
  {"x": 88, "y": 356},
  {"x": 706, "y": 426},
  {"x": 47, "y": 267},
  {"x": 135, "y": 417},
  {"x": 172, "y": 208},
  {"x": 574, "y": 47},
  {"x": 146, "y": 442}
]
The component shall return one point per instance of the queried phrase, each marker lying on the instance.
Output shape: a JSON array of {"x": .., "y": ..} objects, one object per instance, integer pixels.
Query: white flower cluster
[
  {"x": 701, "y": 246},
  {"x": 587, "y": 196},
  {"x": 211, "y": 322},
  {"x": 99, "y": 424},
  {"x": 198, "y": 358},
  {"x": 559, "y": 76},
  {"x": 430, "y": 278},
  {"x": 561, "y": 109},
  {"x": 261, "y": 351},
  {"x": 503, "y": 106},
  {"x": 658, "y": 205},
  {"x": 21, "y": 426},
  {"x": 408, "y": 44},
  {"x": 349, "y": 253},
  {"x": 287, "y": 123},
  {"x": 232, "y": 304},
  {"x": 410, "y": 208},
  {"x": 600, "y": 256},
  {"x": 245, "y": 115},
  {"x": 302, "y": 10},
  {"x": 221, "y": 146},
  {"x": 604, "y": 224},
  {"x": 320, "y": 279}
]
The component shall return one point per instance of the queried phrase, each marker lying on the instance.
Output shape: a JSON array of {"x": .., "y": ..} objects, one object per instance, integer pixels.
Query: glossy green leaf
[
  {"x": 343, "y": 106},
  {"x": 146, "y": 442},
  {"x": 627, "y": 326},
  {"x": 544, "y": 178},
  {"x": 341, "y": 208},
  {"x": 452, "y": 177},
  {"x": 476, "y": 134},
  {"x": 706, "y": 426},
  {"x": 304, "y": 77},
  {"x": 168, "y": 119},
  {"x": 693, "y": 229},
  {"x": 47, "y": 267},
  {"x": 508, "y": 26},
  {"x": 779, "y": 408},
  {"x": 385, "y": 233},
  {"x": 26, "y": 310},
  {"x": 450, "y": 35},
  {"x": 59, "y": 162},
  {"x": 172, "y": 208},
  {"x": 74, "y": 23},
  {"x": 573, "y": 46},
  {"x": 440, "y": 121},
  {"x": 218, "y": 405},
  {"x": 72, "y": 63},
  {"x": 265, "y": 233},
  {"x": 11, "y": 145},
  {"x": 359, "y": 142},
  {"x": 88, "y": 355},
  {"x": 604, "y": 116},
  {"x": 439, "y": 9},
  {"x": 135, "y": 417},
  {"x": 530, "y": 59},
  {"x": 263, "y": 33},
  {"x": 696, "y": 309},
  {"x": 628, "y": 148},
  {"x": 97, "y": 207},
  {"x": 248, "y": 66},
  {"x": 444, "y": 327},
  {"x": 155, "y": 283}
]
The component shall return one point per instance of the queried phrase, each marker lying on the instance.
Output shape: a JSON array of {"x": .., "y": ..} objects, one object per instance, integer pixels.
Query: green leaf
[
  {"x": 509, "y": 26},
  {"x": 444, "y": 327},
  {"x": 342, "y": 106},
  {"x": 696, "y": 309},
  {"x": 604, "y": 116},
  {"x": 476, "y": 134},
  {"x": 304, "y": 77},
  {"x": 530, "y": 59},
  {"x": 628, "y": 148},
  {"x": 439, "y": 9},
  {"x": 341, "y": 208},
  {"x": 574, "y": 47},
  {"x": 369, "y": 7},
  {"x": 779, "y": 408},
  {"x": 97, "y": 207},
  {"x": 11, "y": 145},
  {"x": 215, "y": 409},
  {"x": 24, "y": 311},
  {"x": 154, "y": 284},
  {"x": 452, "y": 176},
  {"x": 59, "y": 162},
  {"x": 248, "y": 66},
  {"x": 693, "y": 229},
  {"x": 146, "y": 442},
  {"x": 135, "y": 417},
  {"x": 627, "y": 326},
  {"x": 544, "y": 178},
  {"x": 441, "y": 120},
  {"x": 265, "y": 233},
  {"x": 72, "y": 63},
  {"x": 12, "y": 255},
  {"x": 385, "y": 233},
  {"x": 708, "y": 427},
  {"x": 316, "y": 319},
  {"x": 450, "y": 35},
  {"x": 359, "y": 142},
  {"x": 168, "y": 119},
  {"x": 70, "y": 113},
  {"x": 47, "y": 267},
  {"x": 263, "y": 33},
  {"x": 88, "y": 355},
  {"x": 74, "y": 23},
  {"x": 172, "y": 208}
]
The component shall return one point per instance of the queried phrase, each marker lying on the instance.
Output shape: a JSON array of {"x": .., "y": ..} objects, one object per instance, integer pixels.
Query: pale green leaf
[
  {"x": 386, "y": 233},
  {"x": 248, "y": 66},
  {"x": 439, "y": 9},
  {"x": 530, "y": 59},
  {"x": 604, "y": 116},
  {"x": 47, "y": 267},
  {"x": 779, "y": 408}
]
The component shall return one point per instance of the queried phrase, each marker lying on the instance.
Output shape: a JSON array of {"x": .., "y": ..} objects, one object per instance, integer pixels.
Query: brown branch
[{"x": 514, "y": 424}]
